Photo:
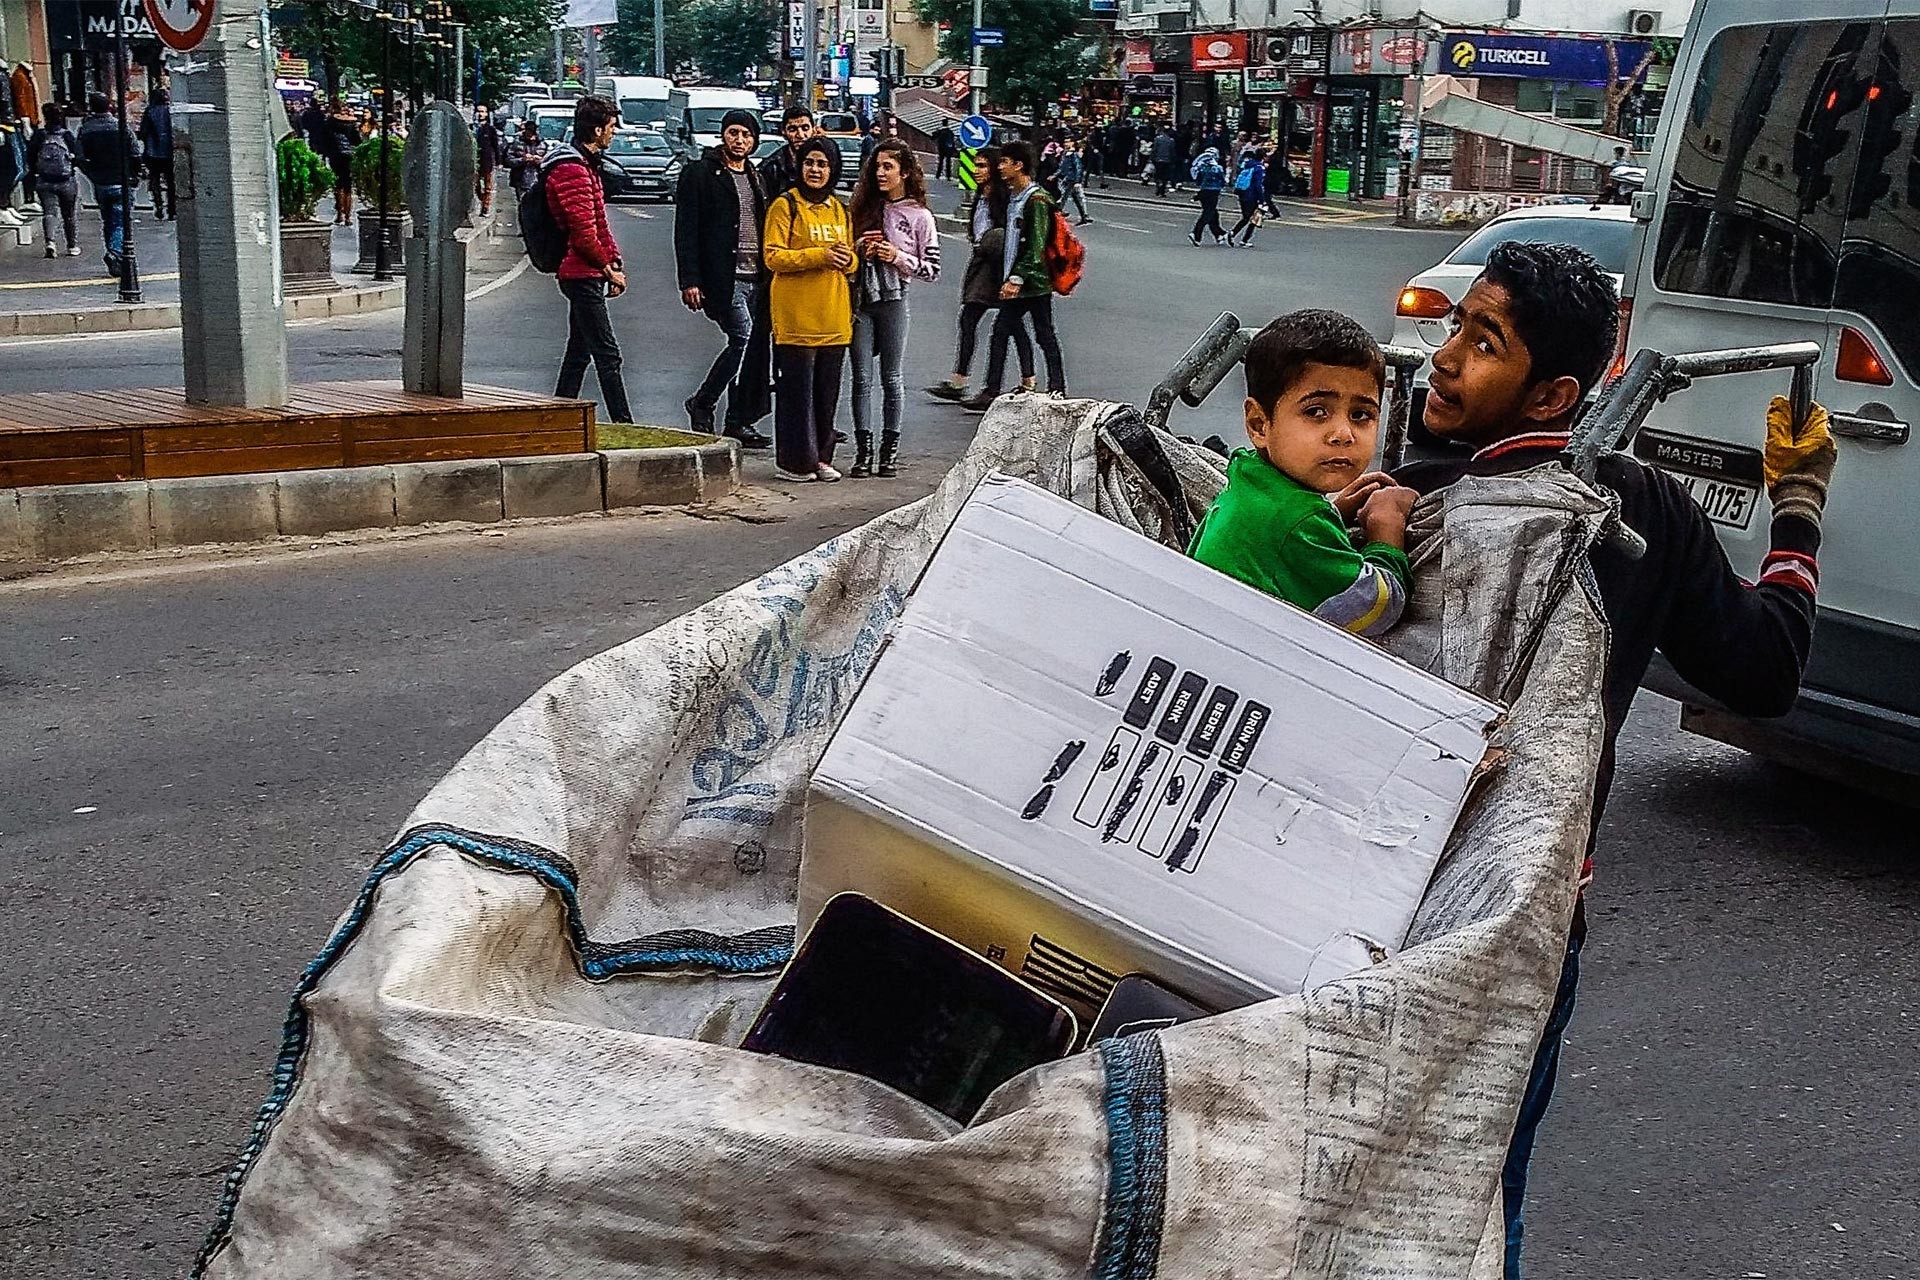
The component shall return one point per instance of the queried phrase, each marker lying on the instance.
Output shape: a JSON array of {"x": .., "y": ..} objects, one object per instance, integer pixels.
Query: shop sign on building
[
  {"x": 1381, "y": 51},
  {"x": 1302, "y": 53},
  {"x": 73, "y": 25},
  {"x": 1266, "y": 82},
  {"x": 1579, "y": 60},
  {"x": 1138, "y": 60},
  {"x": 1158, "y": 88},
  {"x": 1220, "y": 51}
]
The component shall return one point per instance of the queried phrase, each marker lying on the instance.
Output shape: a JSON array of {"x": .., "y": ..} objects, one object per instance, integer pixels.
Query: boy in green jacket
[
  {"x": 1314, "y": 381},
  {"x": 1026, "y": 290}
]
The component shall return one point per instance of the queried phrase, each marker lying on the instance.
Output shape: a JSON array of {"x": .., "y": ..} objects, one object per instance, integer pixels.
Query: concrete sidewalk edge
[{"x": 43, "y": 526}]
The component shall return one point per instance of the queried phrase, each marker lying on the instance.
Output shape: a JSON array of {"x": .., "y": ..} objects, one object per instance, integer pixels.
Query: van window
[
  {"x": 1879, "y": 274},
  {"x": 1765, "y": 163},
  {"x": 645, "y": 113}
]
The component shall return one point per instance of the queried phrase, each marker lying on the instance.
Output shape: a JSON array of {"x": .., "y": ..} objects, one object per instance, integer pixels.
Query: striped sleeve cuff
[
  {"x": 1791, "y": 569},
  {"x": 1370, "y": 606}
]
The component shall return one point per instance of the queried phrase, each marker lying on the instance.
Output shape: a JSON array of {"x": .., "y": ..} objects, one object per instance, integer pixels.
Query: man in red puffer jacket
[{"x": 591, "y": 272}]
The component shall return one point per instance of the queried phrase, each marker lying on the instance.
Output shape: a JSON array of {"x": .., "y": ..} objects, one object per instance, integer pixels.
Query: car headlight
[{"x": 673, "y": 167}]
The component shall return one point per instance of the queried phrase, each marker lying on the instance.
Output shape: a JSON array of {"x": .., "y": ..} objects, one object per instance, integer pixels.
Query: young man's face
[
  {"x": 739, "y": 141},
  {"x": 1478, "y": 391},
  {"x": 1323, "y": 430},
  {"x": 797, "y": 131}
]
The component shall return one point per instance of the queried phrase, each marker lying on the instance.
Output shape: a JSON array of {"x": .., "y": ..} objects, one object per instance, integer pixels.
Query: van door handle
[{"x": 1855, "y": 427}]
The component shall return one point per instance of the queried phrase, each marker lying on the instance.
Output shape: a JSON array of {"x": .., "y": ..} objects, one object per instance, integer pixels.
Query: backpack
[
  {"x": 545, "y": 238},
  {"x": 1245, "y": 181},
  {"x": 55, "y": 165},
  {"x": 1065, "y": 256}
]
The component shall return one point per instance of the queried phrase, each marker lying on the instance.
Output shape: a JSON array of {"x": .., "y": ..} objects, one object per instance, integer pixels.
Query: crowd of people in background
[{"x": 45, "y": 157}]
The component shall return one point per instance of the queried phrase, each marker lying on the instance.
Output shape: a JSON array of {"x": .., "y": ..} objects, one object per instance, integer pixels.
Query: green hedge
[
  {"x": 304, "y": 179},
  {"x": 366, "y": 173}
]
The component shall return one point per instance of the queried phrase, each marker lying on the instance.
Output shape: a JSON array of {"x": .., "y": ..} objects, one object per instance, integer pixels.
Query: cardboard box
[{"x": 1085, "y": 755}]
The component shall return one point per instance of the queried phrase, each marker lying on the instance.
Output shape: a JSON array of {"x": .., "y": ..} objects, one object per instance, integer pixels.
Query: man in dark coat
[{"x": 719, "y": 209}]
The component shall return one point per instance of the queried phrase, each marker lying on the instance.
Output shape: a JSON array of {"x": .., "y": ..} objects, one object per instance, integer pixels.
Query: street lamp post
[
  {"x": 390, "y": 14},
  {"x": 129, "y": 182}
]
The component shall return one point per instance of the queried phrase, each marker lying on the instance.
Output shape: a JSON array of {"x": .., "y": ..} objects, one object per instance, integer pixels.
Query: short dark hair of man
[
  {"x": 97, "y": 104},
  {"x": 590, "y": 116},
  {"x": 798, "y": 111},
  {"x": 1021, "y": 153},
  {"x": 1280, "y": 352},
  {"x": 1564, "y": 305}
]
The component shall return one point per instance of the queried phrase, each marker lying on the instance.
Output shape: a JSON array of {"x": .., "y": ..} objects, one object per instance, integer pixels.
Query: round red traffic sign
[{"x": 180, "y": 24}]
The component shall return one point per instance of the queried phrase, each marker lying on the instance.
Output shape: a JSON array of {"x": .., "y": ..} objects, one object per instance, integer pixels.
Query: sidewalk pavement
[{"x": 42, "y": 296}]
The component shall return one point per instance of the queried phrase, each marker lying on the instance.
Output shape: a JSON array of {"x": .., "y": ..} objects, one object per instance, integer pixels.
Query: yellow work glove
[{"x": 1798, "y": 463}]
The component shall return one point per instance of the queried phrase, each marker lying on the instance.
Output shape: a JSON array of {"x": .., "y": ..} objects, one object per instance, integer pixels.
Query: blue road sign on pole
[
  {"x": 975, "y": 132},
  {"x": 989, "y": 36}
]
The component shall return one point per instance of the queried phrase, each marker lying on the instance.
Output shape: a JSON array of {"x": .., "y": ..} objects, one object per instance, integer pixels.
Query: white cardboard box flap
[{"x": 1208, "y": 771}]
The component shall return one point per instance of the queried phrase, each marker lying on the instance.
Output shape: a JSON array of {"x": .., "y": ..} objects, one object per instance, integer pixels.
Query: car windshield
[
  {"x": 645, "y": 112},
  {"x": 1607, "y": 239},
  {"x": 707, "y": 119},
  {"x": 768, "y": 145},
  {"x": 839, "y": 122},
  {"x": 554, "y": 127},
  {"x": 639, "y": 144}
]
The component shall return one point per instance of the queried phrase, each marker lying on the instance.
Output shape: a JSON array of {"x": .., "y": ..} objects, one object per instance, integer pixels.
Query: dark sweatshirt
[{"x": 1744, "y": 645}]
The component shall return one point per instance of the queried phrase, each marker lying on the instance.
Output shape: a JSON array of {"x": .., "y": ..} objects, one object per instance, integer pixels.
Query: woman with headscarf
[{"x": 808, "y": 243}]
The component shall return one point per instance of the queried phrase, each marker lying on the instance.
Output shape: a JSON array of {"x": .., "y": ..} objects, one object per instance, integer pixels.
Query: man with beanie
[{"x": 720, "y": 208}]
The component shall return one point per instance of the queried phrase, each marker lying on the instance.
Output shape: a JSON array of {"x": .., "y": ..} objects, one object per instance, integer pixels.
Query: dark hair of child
[{"x": 1281, "y": 350}]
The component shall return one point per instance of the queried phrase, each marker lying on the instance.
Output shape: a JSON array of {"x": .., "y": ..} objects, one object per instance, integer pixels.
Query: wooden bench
[{"x": 82, "y": 437}]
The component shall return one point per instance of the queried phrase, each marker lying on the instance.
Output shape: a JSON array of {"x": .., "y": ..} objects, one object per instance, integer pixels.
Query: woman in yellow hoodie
[{"x": 810, "y": 251}]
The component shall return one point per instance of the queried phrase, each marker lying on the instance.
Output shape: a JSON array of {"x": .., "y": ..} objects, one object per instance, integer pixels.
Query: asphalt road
[{"x": 203, "y": 757}]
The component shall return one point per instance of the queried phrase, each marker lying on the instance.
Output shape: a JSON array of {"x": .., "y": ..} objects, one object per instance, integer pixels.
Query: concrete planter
[
  {"x": 306, "y": 258},
  {"x": 369, "y": 221}
]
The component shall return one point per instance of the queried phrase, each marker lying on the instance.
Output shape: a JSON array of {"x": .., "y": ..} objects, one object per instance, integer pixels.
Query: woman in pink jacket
[{"x": 898, "y": 244}]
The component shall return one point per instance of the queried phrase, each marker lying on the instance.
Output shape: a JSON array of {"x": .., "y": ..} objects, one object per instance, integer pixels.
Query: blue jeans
[
  {"x": 879, "y": 330},
  {"x": 738, "y": 326},
  {"x": 1533, "y": 1105},
  {"x": 113, "y": 219}
]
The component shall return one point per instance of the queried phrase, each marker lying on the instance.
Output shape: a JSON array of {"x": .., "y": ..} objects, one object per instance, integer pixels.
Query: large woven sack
[{"x": 514, "y": 1055}]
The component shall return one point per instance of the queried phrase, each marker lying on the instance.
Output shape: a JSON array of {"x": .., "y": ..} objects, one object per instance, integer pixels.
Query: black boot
[
  {"x": 862, "y": 456},
  {"x": 889, "y": 454}
]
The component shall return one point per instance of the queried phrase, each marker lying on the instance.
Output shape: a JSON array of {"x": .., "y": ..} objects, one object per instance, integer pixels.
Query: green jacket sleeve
[
  {"x": 1036, "y": 220},
  {"x": 1312, "y": 564}
]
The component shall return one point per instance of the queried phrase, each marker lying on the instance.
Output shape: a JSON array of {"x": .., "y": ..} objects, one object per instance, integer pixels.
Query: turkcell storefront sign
[{"x": 1582, "y": 61}]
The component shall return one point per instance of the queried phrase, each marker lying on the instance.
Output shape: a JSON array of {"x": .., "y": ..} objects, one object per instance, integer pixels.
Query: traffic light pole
[{"x": 973, "y": 80}]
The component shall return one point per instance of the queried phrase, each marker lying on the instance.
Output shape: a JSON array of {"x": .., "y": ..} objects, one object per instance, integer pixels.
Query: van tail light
[
  {"x": 1859, "y": 362},
  {"x": 1423, "y": 304},
  {"x": 1620, "y": 344}
]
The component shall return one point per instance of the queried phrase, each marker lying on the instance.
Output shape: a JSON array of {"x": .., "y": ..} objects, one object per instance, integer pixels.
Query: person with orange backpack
[{"x": 1040, "y": 255}]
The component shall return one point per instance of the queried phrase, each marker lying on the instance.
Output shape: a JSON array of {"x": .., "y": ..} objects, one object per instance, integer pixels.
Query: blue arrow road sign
[
  {"x": 975, "y": 131},
  {"x": 989, "y": 36}
]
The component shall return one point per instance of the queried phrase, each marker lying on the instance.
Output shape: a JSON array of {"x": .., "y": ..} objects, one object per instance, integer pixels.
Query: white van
[
  {"x": 693, "y": 115},
  {"x": 642, "y": 99},
  {"x": 1783, "y": 204}
]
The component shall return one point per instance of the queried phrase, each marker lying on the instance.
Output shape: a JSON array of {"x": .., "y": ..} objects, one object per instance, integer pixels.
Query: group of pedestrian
[
  {"x": 112, "y": 158},
  {"x": 335, "y": 132}
]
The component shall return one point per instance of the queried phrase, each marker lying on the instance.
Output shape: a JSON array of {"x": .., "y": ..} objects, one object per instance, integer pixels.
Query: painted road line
[{"x": 105, "y": 282}]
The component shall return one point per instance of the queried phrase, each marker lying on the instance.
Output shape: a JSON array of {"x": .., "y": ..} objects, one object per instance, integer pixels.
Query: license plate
[
  {"x": 1727, "y": 504},
  {"x": 1723, "y": 478}
]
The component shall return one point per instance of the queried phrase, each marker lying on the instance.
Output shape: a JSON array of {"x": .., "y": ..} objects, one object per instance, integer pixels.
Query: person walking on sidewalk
[
  {"x": 486, "y": 157},
  {"x": 898, "y": 245},
  {"x": 54, "y": 161},
  {"x": 720, "y": 210},
  {"x": 946, "y": 145},
  {"x": 980, "y": 286},
  {"x": 111, "y": 160},
  {"x": 1250, "y": 184},
  {"x": 339, "y": 135},
  {"x": 1165, "y": 146},
  {"x": 591, "y": 273},
  {"x": 1026, "y": 291},
  {"x": 1210, "y": 179},
  {"x": 524, "y": 155},
  {"x": 810, "y": 252},
  {"x": 1071, "y": 177},
  {"x": 156, "y": 140},
  {"x": 1094, "y": 155},
  {"x": 780, "y": 172}
]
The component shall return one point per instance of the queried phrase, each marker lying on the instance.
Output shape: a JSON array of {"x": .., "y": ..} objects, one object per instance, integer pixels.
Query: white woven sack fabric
[{"x": 513, "y": 1056}]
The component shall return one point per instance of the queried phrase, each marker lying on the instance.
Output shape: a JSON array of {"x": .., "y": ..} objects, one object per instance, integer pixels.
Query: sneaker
[
  {"x": 1220, "y": 240},
  {"x": 979, "y": 403},
  {"x": 8, "y": 218},
  {"x": 73, "y": 251},
  {"x": 797, "y": 477},
  {"x": 825, "y": 474},
  {"x": 52, "y": 252},
  {"x": 947, "y": 391},
  {"x": 1083, "y": 222},
  {"x": 31, "y": 208},
  {"x": 1193, "y": 240}
]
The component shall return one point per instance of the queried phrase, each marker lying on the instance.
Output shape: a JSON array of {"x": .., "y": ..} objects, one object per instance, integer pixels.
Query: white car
[{"x": 1420, "y": 315}]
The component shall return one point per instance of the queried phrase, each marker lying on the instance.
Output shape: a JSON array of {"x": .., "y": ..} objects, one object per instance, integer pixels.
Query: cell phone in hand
[{"x": 873, "y": 992}]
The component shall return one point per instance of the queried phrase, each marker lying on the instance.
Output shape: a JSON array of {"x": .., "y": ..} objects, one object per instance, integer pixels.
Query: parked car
[
  {"x": 1420, "y": 313},
  {"x": 694, "y": 114},
  {"x": 641, "y": 163},
  {"x": 1752, "y": 235}
]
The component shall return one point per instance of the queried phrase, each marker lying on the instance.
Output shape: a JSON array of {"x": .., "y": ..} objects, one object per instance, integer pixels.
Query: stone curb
[{"x": 43, "y": 525}]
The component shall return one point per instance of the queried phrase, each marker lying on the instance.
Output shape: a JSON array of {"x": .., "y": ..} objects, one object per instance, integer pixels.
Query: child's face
[
  {"x": 1323, "y": 430},
  {"x": 1481, "y": 388}
]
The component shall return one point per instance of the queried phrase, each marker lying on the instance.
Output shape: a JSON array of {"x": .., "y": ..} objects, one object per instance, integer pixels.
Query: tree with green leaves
[
  {"x": 346, "y": 43},
  {"x": 723, "y": 41},
  {"x": 1045, "y": 56}
]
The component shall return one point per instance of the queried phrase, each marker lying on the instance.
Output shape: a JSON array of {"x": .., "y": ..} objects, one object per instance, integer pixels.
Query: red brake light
[
  {"x": 1859, "y": 362},
  {"x": 1423, "y": 304}
]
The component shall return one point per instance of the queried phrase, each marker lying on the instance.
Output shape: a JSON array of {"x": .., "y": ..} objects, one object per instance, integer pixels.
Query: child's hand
[
  {"x": 1350, "y": 499},
  {"x": 1383, "y": 517}
]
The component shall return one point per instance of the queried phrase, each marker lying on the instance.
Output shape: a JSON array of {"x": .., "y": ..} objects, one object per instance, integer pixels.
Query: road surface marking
[{"x": 104, "y": 281}]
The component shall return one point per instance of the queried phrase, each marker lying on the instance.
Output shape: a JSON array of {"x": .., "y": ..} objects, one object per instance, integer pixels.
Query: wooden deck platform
[{"x": 79, "y": 437}]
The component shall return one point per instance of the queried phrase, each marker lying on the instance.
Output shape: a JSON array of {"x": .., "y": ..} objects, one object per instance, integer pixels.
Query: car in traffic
[
  {"x": 552, "y": 117},
  {"x": 695, "y": 111},
  {"x": 1753, "y": 235},
  {"x": 640, "y": 164},
  {"x": 1421, "y": 312}
]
